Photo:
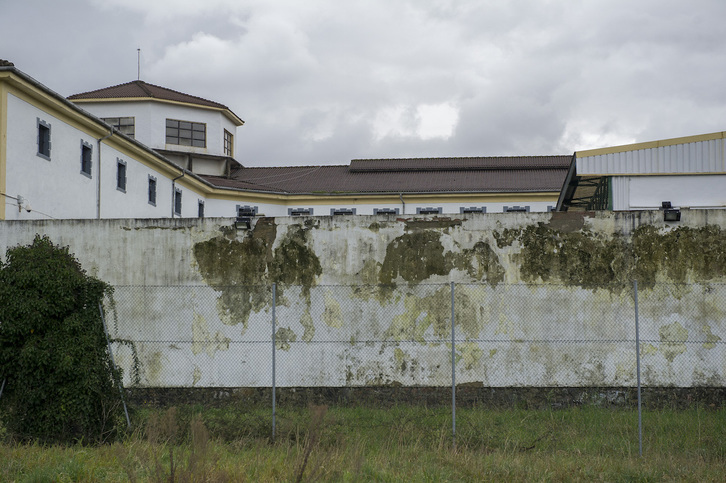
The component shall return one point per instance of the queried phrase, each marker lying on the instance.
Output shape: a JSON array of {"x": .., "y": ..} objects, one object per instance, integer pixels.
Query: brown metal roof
[
  {"x": 139, "y": 88},
  {"x": 468, "y": 163},
  {"x": 427, "y": 175}
]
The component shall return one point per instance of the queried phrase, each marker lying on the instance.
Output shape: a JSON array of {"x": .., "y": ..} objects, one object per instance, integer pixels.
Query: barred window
[
  {"x": 43, "y": 139},
  {"x": 86, "y": 152},
  {"x": 152, "y": 190},
  {"x": 121, "y": 175},
  {"x": 177, "y": 201}
]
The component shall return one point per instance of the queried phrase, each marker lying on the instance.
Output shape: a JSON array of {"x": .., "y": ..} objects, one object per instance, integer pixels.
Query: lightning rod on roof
[{"x": 138, "y": 64}]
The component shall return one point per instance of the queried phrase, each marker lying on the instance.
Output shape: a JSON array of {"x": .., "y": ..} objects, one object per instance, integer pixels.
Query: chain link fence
[
  {"x": 362, "y": 336},
  {"x": 386, "y": 344}
]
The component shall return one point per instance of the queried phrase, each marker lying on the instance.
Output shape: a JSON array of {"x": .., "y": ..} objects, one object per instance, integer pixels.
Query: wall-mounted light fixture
[
  {"x": 244, "y": 217},
  {"x": 670, "y": 213}
]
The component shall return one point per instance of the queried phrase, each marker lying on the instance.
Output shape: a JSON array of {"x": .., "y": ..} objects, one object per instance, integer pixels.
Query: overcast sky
[{"x": 327, "y": 81}]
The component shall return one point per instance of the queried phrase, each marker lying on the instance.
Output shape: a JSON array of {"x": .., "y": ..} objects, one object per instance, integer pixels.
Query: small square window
[
  {"x": 43, "y": 139},
  {"x": 121, "y": 175},
  {"x": 177, "y": 201},
  {"x": 86, "y": 159},
  {"x": 152, "y": 190},
  {"x": 200, "y": 209}
]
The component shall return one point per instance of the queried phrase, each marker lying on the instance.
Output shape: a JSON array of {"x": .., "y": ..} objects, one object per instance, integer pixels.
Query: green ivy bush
[{"x": 60, "y": 383}]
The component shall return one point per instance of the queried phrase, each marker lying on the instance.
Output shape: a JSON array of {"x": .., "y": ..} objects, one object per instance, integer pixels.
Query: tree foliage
[{"x": 60, "y": 382}]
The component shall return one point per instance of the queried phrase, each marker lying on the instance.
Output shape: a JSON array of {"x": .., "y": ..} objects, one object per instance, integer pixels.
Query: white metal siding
[
  {"x": 696, "y": 157},
  {"x": 621, "y": 193}
]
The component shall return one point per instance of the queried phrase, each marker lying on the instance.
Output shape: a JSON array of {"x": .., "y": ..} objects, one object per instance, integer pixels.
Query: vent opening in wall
[
  {"x": 299, "y": 211},
  {"x": 385, "y": 211},
  {"x": 472, "y": 209},
  {"x": 516, "y": 209},
  {"x": 429, "y": 211},
  {"x": 342, "y": 211}
]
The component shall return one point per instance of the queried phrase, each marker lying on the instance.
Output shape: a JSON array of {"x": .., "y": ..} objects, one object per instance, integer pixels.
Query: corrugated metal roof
[{"x": 548, "y": 176}]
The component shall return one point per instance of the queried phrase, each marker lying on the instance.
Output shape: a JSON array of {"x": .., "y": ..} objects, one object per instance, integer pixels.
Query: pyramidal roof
[{"x": 139, "y": 89}]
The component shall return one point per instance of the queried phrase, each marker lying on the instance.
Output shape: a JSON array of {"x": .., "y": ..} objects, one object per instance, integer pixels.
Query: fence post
[
  {"x": 113, "y": 364},
  {"x": 274, "y": 403},
  {"x": 453, "y": 371},
  {"x": 637, "y": 364}
]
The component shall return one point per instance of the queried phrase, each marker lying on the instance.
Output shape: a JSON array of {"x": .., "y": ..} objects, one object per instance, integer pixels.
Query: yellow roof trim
[
  {"x": 650, "y": 144},
  {"x": 28, "y": 93},
  {"x": 229, "y": 114}
]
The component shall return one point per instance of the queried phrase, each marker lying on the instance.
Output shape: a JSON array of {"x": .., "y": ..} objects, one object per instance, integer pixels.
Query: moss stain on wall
[
  {"x": 470, "y": 354},
  {"x": 242, "y": 270},
  {"x": 306, "y": 320},
  {"x": 294, "y": 262},
  {"x": 283, "y": 337},
  {"x": 588, "y": 260},
  {"x": 418, "y": 255},
  {"x": 414, "y": 257}
]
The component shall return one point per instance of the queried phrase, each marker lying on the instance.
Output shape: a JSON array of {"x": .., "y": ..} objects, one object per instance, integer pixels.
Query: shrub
[{"x": 60, "y": 383}]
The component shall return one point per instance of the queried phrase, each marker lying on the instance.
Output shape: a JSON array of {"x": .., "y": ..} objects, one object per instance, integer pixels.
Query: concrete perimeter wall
[{"x": 542, "y": 299}]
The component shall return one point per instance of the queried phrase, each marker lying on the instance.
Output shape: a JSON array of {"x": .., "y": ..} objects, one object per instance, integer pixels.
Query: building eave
[{"x": 226, "y": 112}]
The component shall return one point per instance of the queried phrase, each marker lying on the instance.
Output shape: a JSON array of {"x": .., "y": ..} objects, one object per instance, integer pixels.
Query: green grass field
[{"x": 404, "y": 443}]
